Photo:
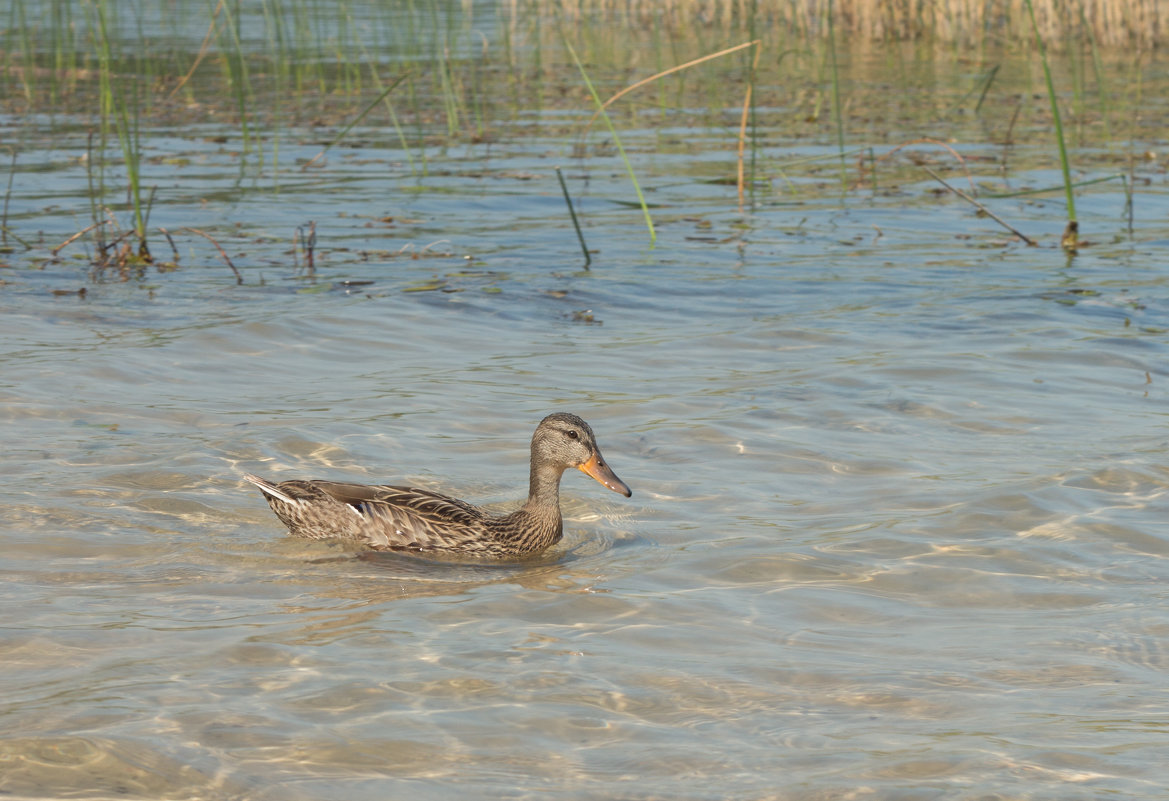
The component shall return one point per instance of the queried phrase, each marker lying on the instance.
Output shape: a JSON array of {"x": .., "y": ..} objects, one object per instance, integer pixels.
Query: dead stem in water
[
  {"x": 743, "y": 120},
  {"x": 239, "y": 279},
  {"x": 927, "y": 141},
  {"x": 307, "y": 243},
  {"x": 575, "y": 223},
  {"x": 203, "y": 50},
  {"x": 662, "y": 74},
  {"x": 116, "y": 250},
  {"x": 980, "y": 207}
]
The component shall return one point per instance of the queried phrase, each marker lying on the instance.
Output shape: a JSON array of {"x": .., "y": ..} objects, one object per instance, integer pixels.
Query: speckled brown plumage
[{"x": 409, "y": 519}]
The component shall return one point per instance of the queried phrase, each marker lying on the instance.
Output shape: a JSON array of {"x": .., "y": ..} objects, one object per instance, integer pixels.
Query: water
[{"x": 899, "y": 487}]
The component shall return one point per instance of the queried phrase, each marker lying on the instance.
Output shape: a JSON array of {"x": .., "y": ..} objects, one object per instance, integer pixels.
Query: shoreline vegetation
[
  {"x": 969, "y": 23},
  {"x": 433, "y": 72},
  {"x": 454, "y": 47}
]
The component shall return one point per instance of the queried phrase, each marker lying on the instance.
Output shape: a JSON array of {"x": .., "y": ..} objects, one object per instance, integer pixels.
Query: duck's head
[{"x": 567, "y": 441}]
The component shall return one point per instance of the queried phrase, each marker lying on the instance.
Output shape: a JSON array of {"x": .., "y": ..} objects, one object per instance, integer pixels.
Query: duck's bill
[{"x": 597, "y": 469}]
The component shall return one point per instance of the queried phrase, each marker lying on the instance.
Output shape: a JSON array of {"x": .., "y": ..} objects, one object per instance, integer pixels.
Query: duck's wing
[{"x": 408, "y": 517}]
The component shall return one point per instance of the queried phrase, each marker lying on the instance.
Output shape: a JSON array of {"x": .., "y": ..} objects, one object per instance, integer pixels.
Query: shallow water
[{"x": 899, "y": 488}]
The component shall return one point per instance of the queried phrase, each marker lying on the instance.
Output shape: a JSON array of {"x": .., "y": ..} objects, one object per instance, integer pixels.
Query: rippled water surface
[{"x": 899, "y": 487}]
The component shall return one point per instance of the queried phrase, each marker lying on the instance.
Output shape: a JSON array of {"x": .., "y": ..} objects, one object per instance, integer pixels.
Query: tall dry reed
[{"x": 1112, "y": 23}]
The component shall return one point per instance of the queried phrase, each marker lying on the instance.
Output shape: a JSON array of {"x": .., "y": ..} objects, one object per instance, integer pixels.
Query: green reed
[
  {"x": 236, "y": 73},
  {"x": 836, "y": 111},
  {"x": 649, "y": 223},
  {"x": 1055, "y": 115},
  {"x": 119, "y": 104},
  {"x": 356, "y": 120},
  {"x": 443, "y": 68},
  {"x": 395, "y": 121},
  {"x": 276, "y": 40},
  {"x": 19, "y": 40}
]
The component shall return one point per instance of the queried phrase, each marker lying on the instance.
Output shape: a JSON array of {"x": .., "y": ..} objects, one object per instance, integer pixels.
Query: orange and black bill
[{"x": 597, "y": 469}]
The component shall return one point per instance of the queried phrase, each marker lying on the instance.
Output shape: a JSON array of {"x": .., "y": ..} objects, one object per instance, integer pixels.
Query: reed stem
[
  {"x": 344, "y": 131},
  {"x": 980, "y": 207},
  {"x": 7, "y": 196},
  {"x": 575, "y": 224},
  {"x": 836, "y": 111},
  {"x": 114, "y": 103},
  {"x": 649, "y": 223},
  {"x": 1063, "y": 152}
]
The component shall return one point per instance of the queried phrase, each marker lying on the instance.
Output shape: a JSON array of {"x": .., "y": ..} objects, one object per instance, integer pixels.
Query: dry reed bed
[{"x": 1111, "y": 23}]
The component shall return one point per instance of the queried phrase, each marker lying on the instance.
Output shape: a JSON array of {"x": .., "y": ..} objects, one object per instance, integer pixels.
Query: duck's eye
[{"x": 572, "y": 434}]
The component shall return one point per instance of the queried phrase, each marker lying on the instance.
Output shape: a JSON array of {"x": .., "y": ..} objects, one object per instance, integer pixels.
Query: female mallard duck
[{"x": 407, "y": 519}]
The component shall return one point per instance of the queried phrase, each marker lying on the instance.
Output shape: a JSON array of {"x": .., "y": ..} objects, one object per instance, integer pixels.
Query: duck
[{"x": 392, "y": 518}]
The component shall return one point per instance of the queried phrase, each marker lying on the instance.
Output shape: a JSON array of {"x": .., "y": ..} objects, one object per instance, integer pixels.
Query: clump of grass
[
  {"x": 119, "y": 110},
  {"x": 119, "y": 249},
  {"x": 236, "y": 72}
]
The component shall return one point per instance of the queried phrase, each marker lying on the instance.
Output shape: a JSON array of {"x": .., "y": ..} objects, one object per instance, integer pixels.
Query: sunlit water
[{"x": 897, "y": 528}]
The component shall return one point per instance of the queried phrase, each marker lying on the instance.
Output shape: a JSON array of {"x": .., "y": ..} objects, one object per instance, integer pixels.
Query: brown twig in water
[
  {"x": 980, "y": 207},
  {"x": 76, "y": 236},
  {"x": 928, "y": 141},
  {"x": 662, "y": 74},
  {"x": 1008, "y": 139},
  {"x": 174, "y": 249},
  {"x": 239, "y": 279}
]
